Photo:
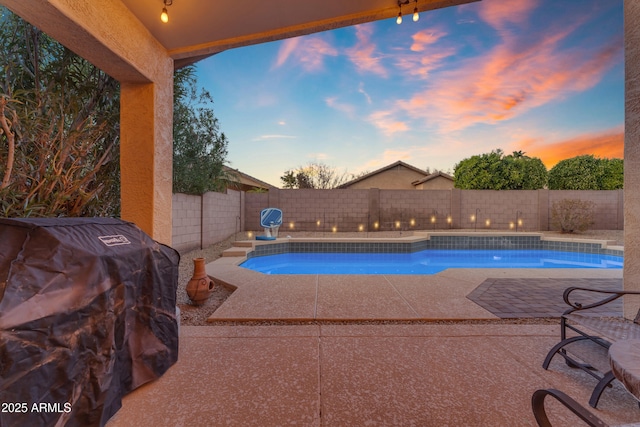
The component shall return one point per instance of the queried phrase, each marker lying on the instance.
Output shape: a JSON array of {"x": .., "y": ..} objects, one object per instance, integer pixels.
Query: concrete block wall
[
  {"x": 322, "y": 210},
  {"x": 499, "y": 210},
  {"x": 347, "y": 210},
  {"x": 222, "y": 216},
  {"x": 199, "y": 221},
  {"x": 412, "y": 209},
  {"x": 187, "y": 222},
  {"x": 254, "y": 203},
  {"x": 608, "y": 212}
]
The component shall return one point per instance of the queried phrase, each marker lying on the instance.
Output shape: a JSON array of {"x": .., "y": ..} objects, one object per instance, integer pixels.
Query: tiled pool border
[{"x": 433, "y": 242}]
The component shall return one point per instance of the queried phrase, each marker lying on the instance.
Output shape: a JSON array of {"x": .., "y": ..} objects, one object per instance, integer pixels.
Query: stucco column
[
  {"x": 146, "y": 155},
  {"x": 632, "y": 156}
]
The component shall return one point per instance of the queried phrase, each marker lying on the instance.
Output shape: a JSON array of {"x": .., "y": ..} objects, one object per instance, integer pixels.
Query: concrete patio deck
[
  {"x": 308, "y": 359},
  {"x": 363, "y": 375}
]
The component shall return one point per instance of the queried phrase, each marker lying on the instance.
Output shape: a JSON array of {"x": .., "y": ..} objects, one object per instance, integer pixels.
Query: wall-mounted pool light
[
  {"x": 334, "y": 229},
  {"x": 474, "y": 218},
  {"x": 361, "y": 227}
]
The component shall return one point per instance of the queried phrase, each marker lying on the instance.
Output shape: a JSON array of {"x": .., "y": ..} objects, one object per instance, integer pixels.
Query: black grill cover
[{"x": 87, "y": 314}]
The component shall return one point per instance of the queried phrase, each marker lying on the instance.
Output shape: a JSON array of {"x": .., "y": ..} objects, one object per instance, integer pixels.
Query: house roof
[
  {"x": 433, "y": 176},
  {"x": 245, "y": 179},
  {"x": 383, "y": 169}
]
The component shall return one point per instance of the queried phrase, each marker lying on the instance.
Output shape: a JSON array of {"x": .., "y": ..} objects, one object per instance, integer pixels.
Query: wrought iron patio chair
[
  {"x": 540, "y": 413},
  {"x": 587, "y": 348}
]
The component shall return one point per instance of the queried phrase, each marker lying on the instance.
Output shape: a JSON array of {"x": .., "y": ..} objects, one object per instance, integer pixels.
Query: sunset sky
[{"x": 542, "y": 76}]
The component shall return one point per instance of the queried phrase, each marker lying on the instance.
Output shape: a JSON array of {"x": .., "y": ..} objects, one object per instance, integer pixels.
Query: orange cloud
[
  {"x": 363, "y": 54},
  {"x": 427, "y": 53},
  {"x": 509, "y": 80},
  {"x": 609, "y": 145}
]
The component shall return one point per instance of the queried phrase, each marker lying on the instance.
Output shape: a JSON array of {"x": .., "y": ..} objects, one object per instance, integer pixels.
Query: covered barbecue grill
[{"x": 87, "y": 314}]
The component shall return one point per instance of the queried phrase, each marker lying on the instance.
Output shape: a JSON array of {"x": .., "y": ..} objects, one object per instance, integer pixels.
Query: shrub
[
  {"x": 571, "y": 215},
  {"x": 587, "y": 173}
]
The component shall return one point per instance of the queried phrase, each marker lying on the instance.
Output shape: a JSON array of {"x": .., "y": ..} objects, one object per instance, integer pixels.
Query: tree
[
  {"x": 613, "y": 178},
  {"x": 59, "y": 116},
  {"x": 586, "y": 172},
  {"x": 60, "y": 136},
  {"x": 495, "y": 171},
  {"x": 314, "y": 175},
  {"x": 199, "y": 148}
]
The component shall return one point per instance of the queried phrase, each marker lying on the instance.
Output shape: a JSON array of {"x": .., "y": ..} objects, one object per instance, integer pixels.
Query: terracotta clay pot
[{"x": 200, "y": 286}]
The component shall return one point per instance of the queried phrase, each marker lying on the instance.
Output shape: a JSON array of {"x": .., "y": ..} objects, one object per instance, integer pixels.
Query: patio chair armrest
[
  {"x": 539, "y": 412},
  {"x": 608, "y": 296}
]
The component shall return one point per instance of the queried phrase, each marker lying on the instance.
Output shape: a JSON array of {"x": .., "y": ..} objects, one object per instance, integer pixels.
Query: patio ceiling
[{"x": 200, "y": 28}]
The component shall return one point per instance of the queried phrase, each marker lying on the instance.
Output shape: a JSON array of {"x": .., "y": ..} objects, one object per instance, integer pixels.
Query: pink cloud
[
  {"x": 308, "y": 51},
  {"x": 384, "y": 121},
  {"x": 425, "y": 38},
  {"x": 499, "y": 13},
  {"x": 287, "y": 48},
  {"x": 363, "y": 54},
  {"x": 333, "y": 102}
]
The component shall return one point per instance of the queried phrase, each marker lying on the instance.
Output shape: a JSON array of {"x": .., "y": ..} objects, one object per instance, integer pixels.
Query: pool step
[
  {"x": 237, "y": 251},
  {"x": 243, "y": 244}
]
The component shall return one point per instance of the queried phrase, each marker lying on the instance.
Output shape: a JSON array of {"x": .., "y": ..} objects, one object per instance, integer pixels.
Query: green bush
[
  {"x": 569, "y": 215},
  {"x": 587, "y": 173},
  {"x": 495, "y": 171}
]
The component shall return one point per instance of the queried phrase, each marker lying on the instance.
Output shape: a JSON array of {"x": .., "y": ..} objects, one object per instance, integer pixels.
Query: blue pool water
[{"x": 429, "y": 261}]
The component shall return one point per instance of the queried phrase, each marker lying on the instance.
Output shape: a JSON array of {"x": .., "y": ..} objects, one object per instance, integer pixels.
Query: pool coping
[
  {"x": 443, "y": 296},
  {"x": 428, "y": 240}
]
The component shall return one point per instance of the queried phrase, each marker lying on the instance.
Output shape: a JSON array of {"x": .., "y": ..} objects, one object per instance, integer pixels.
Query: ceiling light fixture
[
  {"x": 164, "y": 16},
  {"x": 416, "y": 16},
  {"x": 399, "y": 18}
]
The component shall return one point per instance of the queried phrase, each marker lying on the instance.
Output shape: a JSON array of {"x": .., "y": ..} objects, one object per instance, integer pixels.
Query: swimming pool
[{"x": 426, "y": 262}]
